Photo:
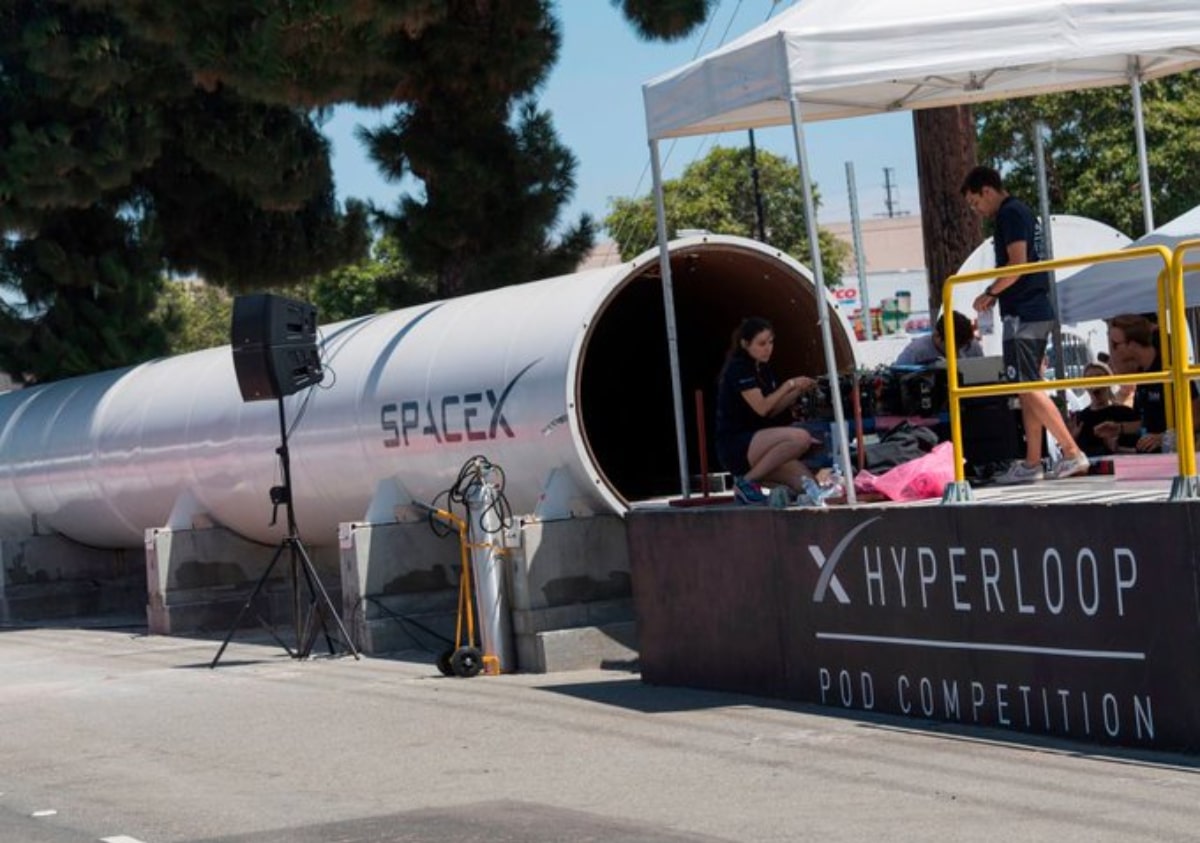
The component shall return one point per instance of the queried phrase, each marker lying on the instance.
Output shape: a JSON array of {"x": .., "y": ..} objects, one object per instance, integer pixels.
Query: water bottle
[
  {"x": 813, "y": 492},
  {"x": 837, "y": 483},
  {"x": 1168, "y": 441},
  {"x": 816, "y": 494},
  {"x": 986, "y": 321}
]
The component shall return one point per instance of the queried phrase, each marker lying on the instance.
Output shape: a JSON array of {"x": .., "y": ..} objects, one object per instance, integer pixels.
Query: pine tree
[
  {"x": 494, "y": 173},
  {"x": 116, "y": 165}
]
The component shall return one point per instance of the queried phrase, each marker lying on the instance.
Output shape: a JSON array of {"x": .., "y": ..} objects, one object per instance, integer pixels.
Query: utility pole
[
  {"x": 888, "y": 187},
  {"x": 760, "y": 217}
]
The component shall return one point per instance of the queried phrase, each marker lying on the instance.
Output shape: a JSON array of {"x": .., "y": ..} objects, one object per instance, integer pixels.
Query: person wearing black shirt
[
  {"x": 1027, "y": 317},
  {"x": 754, "y": 437},
  {"x": 1102, "y": 409},
  {"x": 1134, "y": 346}
]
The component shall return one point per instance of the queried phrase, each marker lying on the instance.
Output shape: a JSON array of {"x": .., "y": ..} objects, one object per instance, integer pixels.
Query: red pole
[
  {"x": 856, "y": 400},
  {"x": 700, "y": 433}
]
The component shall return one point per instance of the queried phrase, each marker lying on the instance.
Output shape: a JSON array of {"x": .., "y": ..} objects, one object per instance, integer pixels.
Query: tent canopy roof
[
  {"x": 1104, "y": 290},
  {"x": 843, "y": 58}
]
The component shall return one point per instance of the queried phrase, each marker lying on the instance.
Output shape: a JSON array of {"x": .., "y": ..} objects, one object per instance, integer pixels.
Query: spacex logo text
[
  {"x": 470, "y": 416},
  {"x": 1077, "y": 581}
]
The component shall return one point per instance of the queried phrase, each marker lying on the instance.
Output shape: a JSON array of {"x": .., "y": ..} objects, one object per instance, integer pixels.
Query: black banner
[{"x": 1077, "y": 621}]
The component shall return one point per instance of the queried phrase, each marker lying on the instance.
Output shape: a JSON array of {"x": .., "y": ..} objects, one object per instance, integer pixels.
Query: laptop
[{"x": 976, "y": 371}]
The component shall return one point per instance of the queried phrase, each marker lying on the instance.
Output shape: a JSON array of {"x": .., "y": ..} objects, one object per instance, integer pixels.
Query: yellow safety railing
[
  {"x": 1169, "y": 288},
  {"x": 1184, "y": 372}
]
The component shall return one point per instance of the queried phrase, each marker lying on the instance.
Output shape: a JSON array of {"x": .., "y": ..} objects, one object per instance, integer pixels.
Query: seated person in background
[
  {"x": 1102, "y": 409},
  {"x": 1122, "y": 394},
  {"x": 1134, "y": 346},
  {"x": 932, "y": 347},
  {"x": 756, "y": 441}
]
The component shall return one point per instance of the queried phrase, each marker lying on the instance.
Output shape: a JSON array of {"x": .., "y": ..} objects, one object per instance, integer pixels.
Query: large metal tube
[{"x": 563, "y": 383}]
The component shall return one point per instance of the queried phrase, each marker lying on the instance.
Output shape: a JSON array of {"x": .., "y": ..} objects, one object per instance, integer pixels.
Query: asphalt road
[{"x": 113, "y": 735}]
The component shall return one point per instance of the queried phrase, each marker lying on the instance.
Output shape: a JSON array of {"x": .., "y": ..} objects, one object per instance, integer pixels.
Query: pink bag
[{"x": 924, "y": 477}]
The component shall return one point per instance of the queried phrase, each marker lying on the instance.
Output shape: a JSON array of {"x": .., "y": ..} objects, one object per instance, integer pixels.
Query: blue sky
[{"x": 595, "y": 96}]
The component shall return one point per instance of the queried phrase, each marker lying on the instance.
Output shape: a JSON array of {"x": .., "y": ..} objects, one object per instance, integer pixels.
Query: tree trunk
[{"x": 945, "y": 139}]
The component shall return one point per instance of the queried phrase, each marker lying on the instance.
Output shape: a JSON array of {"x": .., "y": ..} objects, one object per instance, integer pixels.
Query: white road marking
[
  {"x": 49, "y": 812},
  {"x": 120, "y": 838}
]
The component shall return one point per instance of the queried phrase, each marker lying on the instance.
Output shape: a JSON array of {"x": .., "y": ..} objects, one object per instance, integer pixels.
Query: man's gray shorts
[{"x": 1024, "y": 346}]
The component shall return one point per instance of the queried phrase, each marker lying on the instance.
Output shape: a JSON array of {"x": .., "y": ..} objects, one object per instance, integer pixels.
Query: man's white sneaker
[
  {"x": 1070, "y": 466},
  {"x": 1018, "y": 473}
]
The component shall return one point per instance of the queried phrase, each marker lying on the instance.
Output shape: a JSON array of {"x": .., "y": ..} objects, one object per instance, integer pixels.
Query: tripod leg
[
  {"x": 262, "y": 581},
  {"x": 316, "y": 612},
  {"x": 325, "y": 604}
]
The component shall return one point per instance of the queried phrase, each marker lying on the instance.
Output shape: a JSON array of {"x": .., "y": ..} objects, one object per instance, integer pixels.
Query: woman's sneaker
[{"x": 747, "y": 491}]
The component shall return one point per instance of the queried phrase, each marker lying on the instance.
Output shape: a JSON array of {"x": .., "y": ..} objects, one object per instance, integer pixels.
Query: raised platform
[{"x": 1067, "y": 608}]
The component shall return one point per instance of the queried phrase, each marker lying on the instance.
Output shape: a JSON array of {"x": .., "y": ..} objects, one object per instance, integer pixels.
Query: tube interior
[{"x": 625, "y": 382}]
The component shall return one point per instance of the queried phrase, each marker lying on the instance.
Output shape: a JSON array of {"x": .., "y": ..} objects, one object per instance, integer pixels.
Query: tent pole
[
  {"x": 664, "y": 265},
  {"x": 1039, "y": 153},
  {"x": 842, "y": 437},
  {"x": 1135, "y": 86},
  {"x": 860, "y": 258}
]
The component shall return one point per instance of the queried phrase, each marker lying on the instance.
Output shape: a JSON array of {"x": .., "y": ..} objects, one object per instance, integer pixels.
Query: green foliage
[
  {"x": 1092, "y": 169},
  {"x": 199, "y": 315},
  {"x": 382, "y": 283},
  {"x": 666, "y": 20},
  {"x": 141, "y": 137},
  {"x": 716, "y": 194},
  {"x": 492, "y": 184},
  {"x": 308, "y": 54},
  {"x": 104, "y": 129},
  {"x": 87, "y": 288}
]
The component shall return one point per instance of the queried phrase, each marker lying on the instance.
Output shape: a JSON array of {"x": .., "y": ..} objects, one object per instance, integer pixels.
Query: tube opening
[{"x": 626, "y": 409}]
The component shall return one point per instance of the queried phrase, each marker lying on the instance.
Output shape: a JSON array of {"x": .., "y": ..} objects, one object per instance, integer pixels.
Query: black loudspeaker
[
  {"x": 265, "y": 319},
  {"x": 274, "y": 346}
]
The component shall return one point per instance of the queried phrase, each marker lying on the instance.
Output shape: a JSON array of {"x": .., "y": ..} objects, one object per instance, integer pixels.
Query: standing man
[{"x": 1028, "y": 318}]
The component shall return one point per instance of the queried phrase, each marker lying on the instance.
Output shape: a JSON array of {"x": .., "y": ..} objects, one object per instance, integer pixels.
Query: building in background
[{"x": 897, "y": 283}]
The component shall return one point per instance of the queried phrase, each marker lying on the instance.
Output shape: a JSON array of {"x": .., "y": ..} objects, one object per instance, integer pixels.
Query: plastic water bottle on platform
[
  {"x": 837, "y": 483},
  {"x": 815, "y": 493}
]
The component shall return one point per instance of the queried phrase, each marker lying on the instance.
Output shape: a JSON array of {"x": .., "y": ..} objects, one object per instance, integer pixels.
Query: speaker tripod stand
[{"x": 320, "y": 608}]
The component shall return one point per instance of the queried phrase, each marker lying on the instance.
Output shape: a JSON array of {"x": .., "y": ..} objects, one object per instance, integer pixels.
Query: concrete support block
[
  {"x": 572, "y": 597},
  {"x": 398, "y": 580},
  {"x": 197, "y": 580},
  {"x": 577, "y": 560},
  {"x": 610, "y": 646},
  {"x": 50, "y": 578},
  {"x": 568, "y": 590}
]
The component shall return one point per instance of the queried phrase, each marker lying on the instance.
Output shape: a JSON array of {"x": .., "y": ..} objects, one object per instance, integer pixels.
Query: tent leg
[
  {"x": 1185, "y": 488},
  {"x": 664, "y": 264},
  {"x": 835, "y": 391},
  {"x": 1039, "y": 154},
  {"x": 1135, "y": 87}
]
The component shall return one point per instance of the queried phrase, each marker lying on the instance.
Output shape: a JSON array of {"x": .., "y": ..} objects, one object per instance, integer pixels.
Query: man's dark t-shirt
[
  {"x": 1029, "y": 297},
  {"x": 1149, "y": 399}
]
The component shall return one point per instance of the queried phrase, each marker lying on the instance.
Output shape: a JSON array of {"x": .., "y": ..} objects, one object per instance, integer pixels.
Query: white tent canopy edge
[{"x": 847, "y": 58}]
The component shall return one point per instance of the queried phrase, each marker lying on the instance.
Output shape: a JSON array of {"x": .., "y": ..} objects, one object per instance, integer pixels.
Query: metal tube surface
[{"x": 563, "y": 383}]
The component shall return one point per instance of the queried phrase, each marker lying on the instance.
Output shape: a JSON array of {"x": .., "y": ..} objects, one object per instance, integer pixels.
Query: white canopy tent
[
  {"x": 1104, "y": 290},
  {"x": 828, "y": 59}
]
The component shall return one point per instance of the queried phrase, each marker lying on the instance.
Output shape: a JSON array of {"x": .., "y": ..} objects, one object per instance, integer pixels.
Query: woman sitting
[
  {"x": 755, "y": 440},
  {"x": 1103, "y": 408}
]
